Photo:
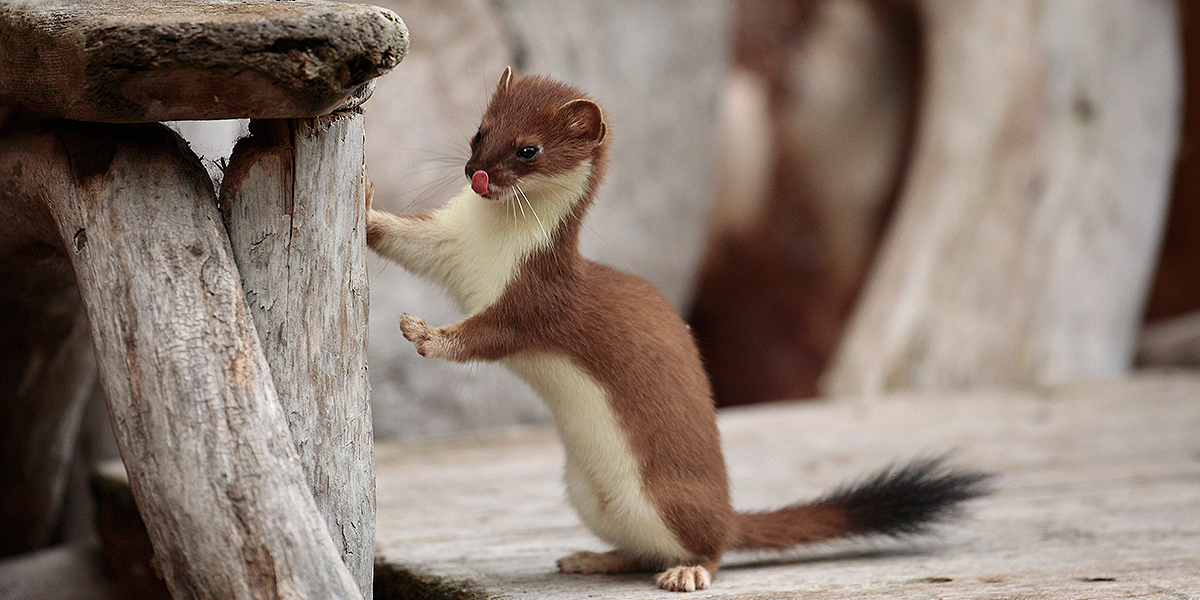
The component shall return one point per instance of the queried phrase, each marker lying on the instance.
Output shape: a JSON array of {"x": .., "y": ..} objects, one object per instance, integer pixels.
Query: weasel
[{"x": 609, "y": 355}]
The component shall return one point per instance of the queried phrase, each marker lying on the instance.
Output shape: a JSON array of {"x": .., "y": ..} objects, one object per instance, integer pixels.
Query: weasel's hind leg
[
  {"x": 687, "y": 578},
  {"x": 608, "y": 563}
]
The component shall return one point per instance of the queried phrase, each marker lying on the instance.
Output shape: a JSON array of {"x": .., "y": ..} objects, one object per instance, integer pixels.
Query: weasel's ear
[
  {"x": 585, "y": 119},
  {"x": 505, "y": 79}
]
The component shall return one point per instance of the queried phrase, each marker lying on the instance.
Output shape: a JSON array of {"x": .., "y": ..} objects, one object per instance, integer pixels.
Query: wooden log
[
  {"x": 46, "y": 374},
  {"x": 1028, "y": 225},
  {"x": 211, "y": 464},
  {"x": 144, "y": 60},
  {"x": 815, "y": 135},
  {"x": 293, "y": 203}
]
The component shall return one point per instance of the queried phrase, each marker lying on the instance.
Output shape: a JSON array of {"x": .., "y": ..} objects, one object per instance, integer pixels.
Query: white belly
[{"x": 602, "y": 475}]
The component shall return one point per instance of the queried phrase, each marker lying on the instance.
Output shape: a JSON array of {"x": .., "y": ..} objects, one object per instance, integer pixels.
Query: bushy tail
[{"x": 893, "y": 502}]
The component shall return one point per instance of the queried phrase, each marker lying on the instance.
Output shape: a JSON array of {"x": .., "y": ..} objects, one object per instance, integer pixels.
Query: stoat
[{"x": 609, "y": 355}]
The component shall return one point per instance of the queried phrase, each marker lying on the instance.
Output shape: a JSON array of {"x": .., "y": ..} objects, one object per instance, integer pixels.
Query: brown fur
[{"x": 624, "y": 334}]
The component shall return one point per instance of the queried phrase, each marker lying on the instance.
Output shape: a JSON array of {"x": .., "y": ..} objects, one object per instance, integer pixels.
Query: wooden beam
[
  {"x": 210, "y": 460},
  {"x": 293, "y": 202},
  {"x": 145, "y": 60}
]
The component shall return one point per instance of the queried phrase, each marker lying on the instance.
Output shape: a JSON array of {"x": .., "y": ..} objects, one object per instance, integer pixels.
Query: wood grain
[
  {"x": 143, "y": 60},
  {"x": 196, "y": 415},
  {"x": 293, "y": 202},
  {"x": 46, "y": 365},
  {"x": 1096, "y": 491}
]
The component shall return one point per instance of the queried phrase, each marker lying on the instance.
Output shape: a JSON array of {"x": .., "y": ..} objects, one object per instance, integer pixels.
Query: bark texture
[
  {"x": 143, "y": 60},
  {"x": 293, "y": 202},
  {"x": 210, "y": 459}
]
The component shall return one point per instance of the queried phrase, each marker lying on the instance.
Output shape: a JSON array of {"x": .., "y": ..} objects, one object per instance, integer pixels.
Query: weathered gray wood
[
  {"x": 1028, "y": 226},
  {"x": 293, "y": 202},
  {"x": 145, "y": 60},
  {"x": 210, "y": 461},
  {"x": 1096, "y": 496}
]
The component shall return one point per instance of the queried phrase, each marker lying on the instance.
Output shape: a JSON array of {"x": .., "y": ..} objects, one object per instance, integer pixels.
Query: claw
[{"x": 684, "y": 579}]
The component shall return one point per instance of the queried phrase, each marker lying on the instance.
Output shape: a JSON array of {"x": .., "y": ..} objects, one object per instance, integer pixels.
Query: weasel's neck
[{"x": 492, "y": 239}]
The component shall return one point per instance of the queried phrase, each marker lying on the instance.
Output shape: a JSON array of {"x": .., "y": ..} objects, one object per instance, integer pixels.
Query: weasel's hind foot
[
  {"x": 685, "y": 579},
  {"x": 608, "y": 563}
]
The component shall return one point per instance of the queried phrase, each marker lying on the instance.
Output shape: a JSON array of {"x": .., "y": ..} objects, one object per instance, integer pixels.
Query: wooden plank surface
[
  {"x": 1097, "y": 496},
  {"x": 144, "y": 60}
]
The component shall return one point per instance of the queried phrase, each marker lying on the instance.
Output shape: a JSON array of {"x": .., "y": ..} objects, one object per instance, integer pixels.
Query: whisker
[
  {"x": 628, "y": 267},
  {"x": 516, "y": 202},
  {"x": 382, "y": 268},
  {"x": 535, "y": 215},
  {"x": 427, "y": 191}
]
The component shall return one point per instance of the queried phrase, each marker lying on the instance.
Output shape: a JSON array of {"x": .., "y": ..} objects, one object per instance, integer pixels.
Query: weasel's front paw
[
  {"x": 429, "y": 341},
  {"x": 375, "y": 226}
]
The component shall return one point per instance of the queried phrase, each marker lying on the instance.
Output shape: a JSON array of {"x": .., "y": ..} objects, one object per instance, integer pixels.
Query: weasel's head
[{"x": 535, "y": 133}]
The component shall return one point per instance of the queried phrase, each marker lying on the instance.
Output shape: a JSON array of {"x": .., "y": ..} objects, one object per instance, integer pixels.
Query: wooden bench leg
[
  {"x": 293, "y": 202},
  {"x": 212, "y": 466}
]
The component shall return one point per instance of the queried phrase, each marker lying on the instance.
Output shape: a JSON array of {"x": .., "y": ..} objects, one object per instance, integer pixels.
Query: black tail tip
[{"x": 908, "y": 499}]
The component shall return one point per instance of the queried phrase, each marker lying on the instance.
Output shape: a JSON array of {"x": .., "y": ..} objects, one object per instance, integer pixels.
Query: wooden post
[
  {"x": 293, "y": 202},
  {"x": 205, "y": 442},
  {"x": 1023, "y": 245}
]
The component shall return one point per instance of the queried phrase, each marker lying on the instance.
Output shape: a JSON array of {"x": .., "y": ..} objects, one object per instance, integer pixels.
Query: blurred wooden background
[{"x": 998, "y": 174}]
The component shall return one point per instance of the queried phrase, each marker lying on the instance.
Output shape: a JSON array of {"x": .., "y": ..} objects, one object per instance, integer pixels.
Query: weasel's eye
[
  {"x": 527, "y": 152},
  {"x": 478, "y": 136}
]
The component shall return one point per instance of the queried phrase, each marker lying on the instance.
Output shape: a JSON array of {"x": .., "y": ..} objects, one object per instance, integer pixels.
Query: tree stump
[{"x": 1026, "y": 233}]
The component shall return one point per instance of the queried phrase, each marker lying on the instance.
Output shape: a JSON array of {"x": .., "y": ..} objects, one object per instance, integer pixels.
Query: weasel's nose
[{"x": 479, "y": 182}]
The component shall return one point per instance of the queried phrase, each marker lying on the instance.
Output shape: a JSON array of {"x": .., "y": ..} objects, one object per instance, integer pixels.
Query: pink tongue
[{"x": 479, "y": 182}]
